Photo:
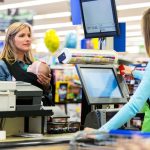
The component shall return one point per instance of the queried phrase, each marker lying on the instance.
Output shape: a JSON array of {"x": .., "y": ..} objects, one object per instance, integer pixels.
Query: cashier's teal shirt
[{"x": 135, "y": 104}]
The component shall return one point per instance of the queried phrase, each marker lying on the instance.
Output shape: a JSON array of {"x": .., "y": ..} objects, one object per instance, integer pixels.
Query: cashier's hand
[
  {"x": 128, "y": 70},
  {"x": 89, "y": 130},
  {"x": 44, "y": 80}
]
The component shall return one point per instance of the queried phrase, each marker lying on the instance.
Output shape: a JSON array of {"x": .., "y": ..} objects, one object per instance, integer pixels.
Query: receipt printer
[
  {"x": 7, "y": 96},
  {"x": 99, "y": 117}
]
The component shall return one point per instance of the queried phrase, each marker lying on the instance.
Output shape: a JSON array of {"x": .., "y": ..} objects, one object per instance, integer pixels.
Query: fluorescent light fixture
[
  {"x": 131, "y": 18},
  {"x": 30, "y": 3},
  {"x": 52, "y": 26},
  {"x": 136, "y": 33},
  {"x": 129, "y": 43},
  {"x": 135, "y": 39},
  {"x": 59, "y": 33},
  {"x": 50, "y": 16},
  {"x": 133, "y": 27},
  {"x": 60, "y": 38},
  {"x": 133, "y": 6},
  {"x": 132, "y": 49},
  {"x": 2, "y": 38},
  {"x": 68, "y": 31},
  {"x": 40, "y": 47},
  {"x": 37, "y": 37}
]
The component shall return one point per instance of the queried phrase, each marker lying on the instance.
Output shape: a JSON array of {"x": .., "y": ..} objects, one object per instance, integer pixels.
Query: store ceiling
[{"x": 132, "y": 14}]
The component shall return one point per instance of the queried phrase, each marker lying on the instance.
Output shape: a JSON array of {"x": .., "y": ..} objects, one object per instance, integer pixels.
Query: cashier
[
  {"x": 16, "y": 57},
  {"x": 141, "y": 94}
]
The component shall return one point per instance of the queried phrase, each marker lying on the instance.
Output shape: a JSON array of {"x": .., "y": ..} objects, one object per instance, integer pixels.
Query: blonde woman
[
  {"x": 16, "y": 57},
  {"x": 142, "y": 93}
]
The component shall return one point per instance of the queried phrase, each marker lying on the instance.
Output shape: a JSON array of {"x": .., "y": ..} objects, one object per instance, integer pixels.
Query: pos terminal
[{"x": 101, "y": 85}]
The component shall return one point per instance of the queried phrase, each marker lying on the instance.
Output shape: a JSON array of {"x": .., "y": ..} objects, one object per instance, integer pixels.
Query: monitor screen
[
  {"x": 99, "y": 18},
  {"x": 101, "y": 84}
]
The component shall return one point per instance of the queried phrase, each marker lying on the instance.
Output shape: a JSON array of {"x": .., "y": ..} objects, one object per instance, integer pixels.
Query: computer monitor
[
  {"x": 99, "y": 18},
  {"x": 101, "y": 85}
]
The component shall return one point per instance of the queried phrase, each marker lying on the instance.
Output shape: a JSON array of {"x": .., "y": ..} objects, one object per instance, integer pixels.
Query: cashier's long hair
[
  {"x": 146, "y": 30},
  {"x": 9, "y": 51}
]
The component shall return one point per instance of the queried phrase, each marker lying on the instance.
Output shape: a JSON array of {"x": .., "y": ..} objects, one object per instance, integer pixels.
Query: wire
[
  {"x": 101, "y": 41},
  {"x": 2, "y": 123}
]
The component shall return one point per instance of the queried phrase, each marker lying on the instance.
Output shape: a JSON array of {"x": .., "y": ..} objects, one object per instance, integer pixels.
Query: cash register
[
  {"x": 28, "y": 96},
  {"x": 19, "y": 96},
  {"x": 101, "y": 86}
]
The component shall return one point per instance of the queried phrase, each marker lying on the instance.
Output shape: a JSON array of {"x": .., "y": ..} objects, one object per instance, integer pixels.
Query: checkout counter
[{"x": 21, "y": 107}]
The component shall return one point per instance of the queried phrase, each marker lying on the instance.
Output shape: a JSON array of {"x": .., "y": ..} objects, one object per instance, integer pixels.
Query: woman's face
[{"x": 22, "y": 40}]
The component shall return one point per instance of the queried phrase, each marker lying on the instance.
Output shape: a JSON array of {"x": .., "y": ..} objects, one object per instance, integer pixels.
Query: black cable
[
  {"x": 101, "y": 40},
  {"x": 1, "y": 124}
]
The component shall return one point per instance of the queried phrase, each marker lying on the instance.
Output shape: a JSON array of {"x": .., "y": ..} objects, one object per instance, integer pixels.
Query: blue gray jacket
[{"x": 4, "y": 72}]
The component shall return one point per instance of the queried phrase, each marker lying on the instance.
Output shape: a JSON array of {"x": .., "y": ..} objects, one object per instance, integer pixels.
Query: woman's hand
[{"x": 44, "y": 80}]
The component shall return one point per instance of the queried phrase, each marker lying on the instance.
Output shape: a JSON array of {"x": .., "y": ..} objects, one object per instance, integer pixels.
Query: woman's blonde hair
[
  {"x": 146, "y": 30},
  {"x": 9, "y": 51}
]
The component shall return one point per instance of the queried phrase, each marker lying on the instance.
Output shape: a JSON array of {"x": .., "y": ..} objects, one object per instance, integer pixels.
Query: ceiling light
[
  {"x": 2, "y": 38},
  {"x": 132, "y": 6},
  {"x": 131, "y": 18},
  {"x": 132, "y": 49},
  {"x": 59, "y": 33},
  {"x": 137, "y": 33},
  {"x": 135, "y": 39},
  {"x": 54, "y": 15},
  {"x": 133, "y": 27},
  {"x": 135, "y": 43},
  {"x": 52, "y": 26},
  {"x": 69, "y": 31},
  {"x": 29, "y": 3}
]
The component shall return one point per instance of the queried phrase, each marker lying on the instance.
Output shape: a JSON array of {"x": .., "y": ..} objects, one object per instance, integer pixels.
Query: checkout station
[
  {"x": 103, "y": 88},
  {"x": 20, "y": 99}
]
